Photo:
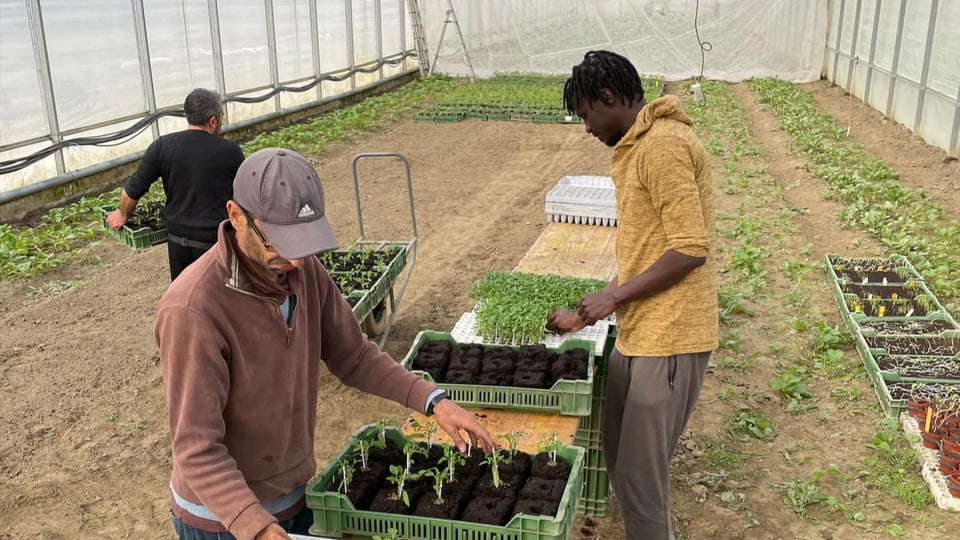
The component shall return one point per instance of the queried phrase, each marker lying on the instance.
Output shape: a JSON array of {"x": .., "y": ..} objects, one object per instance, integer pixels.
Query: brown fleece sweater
[
  {"x": 241, "y": 385},
  {"x": 664, "y": 198}
]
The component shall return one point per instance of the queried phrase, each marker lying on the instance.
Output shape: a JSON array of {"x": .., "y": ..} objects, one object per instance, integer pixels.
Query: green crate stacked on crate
[
  {"x": 335, "y": 515},
  {"x": 140, "y": 238},
  {"x": 565, "y": 397},
  {"x": 894, "y": 394},
  {"x": 872, "y": 345},
  {"x": 907, "y": 300},
  {"x": 595, "y": 499},
  {"x": 365, "y": 300},
  {"x": 886, "y": 305}
]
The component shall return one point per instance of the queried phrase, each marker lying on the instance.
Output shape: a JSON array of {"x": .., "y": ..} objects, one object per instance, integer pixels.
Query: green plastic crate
[
  {"x": 571, "y": 398},
  {"x": 863, "y": 324},
  {"x": 137, "y": 239},
  {"x": 841, "y": 291},
  {"x": 334, "y": 514},
  {"x": 595, "y": 497},
  {"x": 950, "y": 340},
  {"x": 900, "y": 267},
  {"x": 893, "y": 376},
  {"x": 589, "y": 428},
  {"x": 371, "y": 298}
]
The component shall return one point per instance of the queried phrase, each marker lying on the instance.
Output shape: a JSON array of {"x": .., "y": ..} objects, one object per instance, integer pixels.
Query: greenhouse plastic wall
[
  {"x": 68, "y": 73},
  {"x": 902, "y": 57},
  {"x": 749, "y": 38}
]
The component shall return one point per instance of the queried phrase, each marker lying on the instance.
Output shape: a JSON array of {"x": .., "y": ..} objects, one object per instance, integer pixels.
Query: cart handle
[{"x": 356, "y": 186}]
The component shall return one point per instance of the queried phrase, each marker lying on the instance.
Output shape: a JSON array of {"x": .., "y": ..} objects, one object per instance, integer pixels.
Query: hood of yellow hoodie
[{"x": 664, "y": 107}]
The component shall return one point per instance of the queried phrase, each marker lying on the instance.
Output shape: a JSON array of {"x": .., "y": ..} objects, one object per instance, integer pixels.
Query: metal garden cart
[{"x": 378, "y": 308}]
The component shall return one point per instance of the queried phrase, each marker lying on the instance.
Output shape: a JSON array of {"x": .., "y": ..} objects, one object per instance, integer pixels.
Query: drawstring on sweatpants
[{"x": 672, "y": 370}]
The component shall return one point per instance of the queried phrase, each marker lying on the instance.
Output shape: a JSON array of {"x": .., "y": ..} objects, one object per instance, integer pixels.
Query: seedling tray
[
  {"x": 143, "y": 237},
  {"x": 335, "y": 515},
  {"x": 886, "y": 373},
  {"x": 945, "y": 345},
  {"x": 893, "y": 394},
  {"x": 465, "y": 331},
  {"x": 587, "y": 200},
  {"x": 895, "y": 269},
  {"x": 898, "y": 300},
  {"x": 378, "y": 291},
  {"x": 565, "y": 397},
  {"x": 933, "y": 324}
]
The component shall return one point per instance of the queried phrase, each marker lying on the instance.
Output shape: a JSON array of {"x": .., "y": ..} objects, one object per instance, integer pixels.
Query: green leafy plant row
[
  {"x": 904, "y": 219},
  {"x": 342, "y": 124},
  {"x": 513, "y": 307},
  {"x": 513, "y": 95}
]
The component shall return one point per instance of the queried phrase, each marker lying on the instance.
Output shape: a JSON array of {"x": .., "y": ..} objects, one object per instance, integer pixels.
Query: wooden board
[
  {"x": 497, "y": 422},
  {"x": 567, "y": 249}
]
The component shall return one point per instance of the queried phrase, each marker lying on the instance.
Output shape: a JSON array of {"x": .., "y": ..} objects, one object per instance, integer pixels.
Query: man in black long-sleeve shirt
[{"x": 197, "y": 167}]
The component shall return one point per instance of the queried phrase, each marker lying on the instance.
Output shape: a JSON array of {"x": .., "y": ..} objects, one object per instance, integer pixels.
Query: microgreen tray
[
  {"x": 565, "y": 397},
  {"x": 335, "y": 515},
  {"x": 143, "y": 237}
]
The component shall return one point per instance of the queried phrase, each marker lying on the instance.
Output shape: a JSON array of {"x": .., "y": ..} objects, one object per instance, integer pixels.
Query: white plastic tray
[
  {"x": 465, "y": 332},
  {"x": 583, "y": 199}
]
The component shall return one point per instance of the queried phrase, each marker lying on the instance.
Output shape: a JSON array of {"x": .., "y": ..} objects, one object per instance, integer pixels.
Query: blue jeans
[{"x": 300, "y": 524}]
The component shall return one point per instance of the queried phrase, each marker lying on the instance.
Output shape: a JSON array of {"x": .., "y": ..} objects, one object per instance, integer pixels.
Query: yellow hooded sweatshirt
[{"x": 665, "y": 201}]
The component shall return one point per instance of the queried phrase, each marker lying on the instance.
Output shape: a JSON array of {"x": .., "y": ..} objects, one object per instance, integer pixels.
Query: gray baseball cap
[{"x": 280, "y": 188}]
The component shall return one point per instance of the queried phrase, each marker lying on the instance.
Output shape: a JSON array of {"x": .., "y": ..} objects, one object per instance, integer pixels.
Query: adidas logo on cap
[{"x": 305, "y": 211}]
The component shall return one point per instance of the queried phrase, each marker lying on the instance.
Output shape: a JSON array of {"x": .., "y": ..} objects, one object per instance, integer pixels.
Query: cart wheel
[{"x": 376, "y": 321}]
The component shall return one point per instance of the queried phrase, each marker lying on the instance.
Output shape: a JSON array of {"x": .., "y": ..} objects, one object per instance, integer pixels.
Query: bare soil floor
[{"x": 84, "y": 450}]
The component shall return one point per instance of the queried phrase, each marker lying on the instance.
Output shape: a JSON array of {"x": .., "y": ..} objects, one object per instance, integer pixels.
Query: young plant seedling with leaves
[
  {"x": 550, "y": 443},
  {"x": 513, "y": 439},
  {"x": 493, "y": 459},
  {"x": 382, "y": 425},
  {"x": 399, "y": 477},
  {"x": 425, "y": 431},
  {"x": 362, "y": 447},
  {"x": 439, "y": 475},
  {"x": 452, "y": 457},
  {"x": 409, "y": 450},
  {"x": 346, "y": 474}
]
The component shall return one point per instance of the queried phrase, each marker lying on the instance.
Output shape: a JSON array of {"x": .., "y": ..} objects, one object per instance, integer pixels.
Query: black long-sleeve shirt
[{"x": 197, "y": 169}]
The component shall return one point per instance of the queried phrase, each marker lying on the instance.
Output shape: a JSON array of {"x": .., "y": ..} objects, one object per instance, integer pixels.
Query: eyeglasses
[{"x": 256, "y": 230}]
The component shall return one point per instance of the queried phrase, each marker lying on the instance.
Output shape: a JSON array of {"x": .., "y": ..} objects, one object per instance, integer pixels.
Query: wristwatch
[{"x": 442, "y": 395}]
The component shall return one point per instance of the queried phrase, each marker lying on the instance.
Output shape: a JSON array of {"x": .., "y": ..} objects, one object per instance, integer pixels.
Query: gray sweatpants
[{"x": 648, "y": 403}]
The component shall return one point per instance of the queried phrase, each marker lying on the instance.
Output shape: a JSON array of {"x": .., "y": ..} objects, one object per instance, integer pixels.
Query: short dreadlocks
[{"x": 599, "y": 70}]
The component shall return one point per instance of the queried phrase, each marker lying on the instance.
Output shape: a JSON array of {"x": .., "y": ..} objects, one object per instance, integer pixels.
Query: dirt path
[{"x": 84, "y": 449}]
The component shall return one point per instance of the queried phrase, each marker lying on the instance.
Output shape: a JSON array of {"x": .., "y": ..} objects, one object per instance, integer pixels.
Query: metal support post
[
  {"x": 925, "y": 71},
  {"x": 35, "y": 17},
  {"x": 217, "y": 49},
  {"x": 146, "y": 70}
]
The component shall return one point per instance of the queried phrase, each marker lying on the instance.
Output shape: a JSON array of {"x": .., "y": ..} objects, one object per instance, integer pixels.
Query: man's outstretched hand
[
  {"x": 452, "y": 418},
  {"x": 563, "y": 321}
]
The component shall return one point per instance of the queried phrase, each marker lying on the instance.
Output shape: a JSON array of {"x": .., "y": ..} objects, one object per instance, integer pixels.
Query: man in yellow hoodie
[{"x": 665, "y": 293}]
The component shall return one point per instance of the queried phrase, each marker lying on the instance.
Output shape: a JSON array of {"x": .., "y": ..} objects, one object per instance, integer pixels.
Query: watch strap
[{"x": 437, "y": 398}]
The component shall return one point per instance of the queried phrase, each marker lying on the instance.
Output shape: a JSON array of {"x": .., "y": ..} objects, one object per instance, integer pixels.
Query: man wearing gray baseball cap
[{"x": 242, "y": 333}]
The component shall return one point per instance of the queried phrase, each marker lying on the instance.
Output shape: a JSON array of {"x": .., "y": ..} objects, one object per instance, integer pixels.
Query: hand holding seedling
[
  {"x": 596, "y": 306},
  {"x": 452, "y": 418},
  {"x": 563, "y": 321}
]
